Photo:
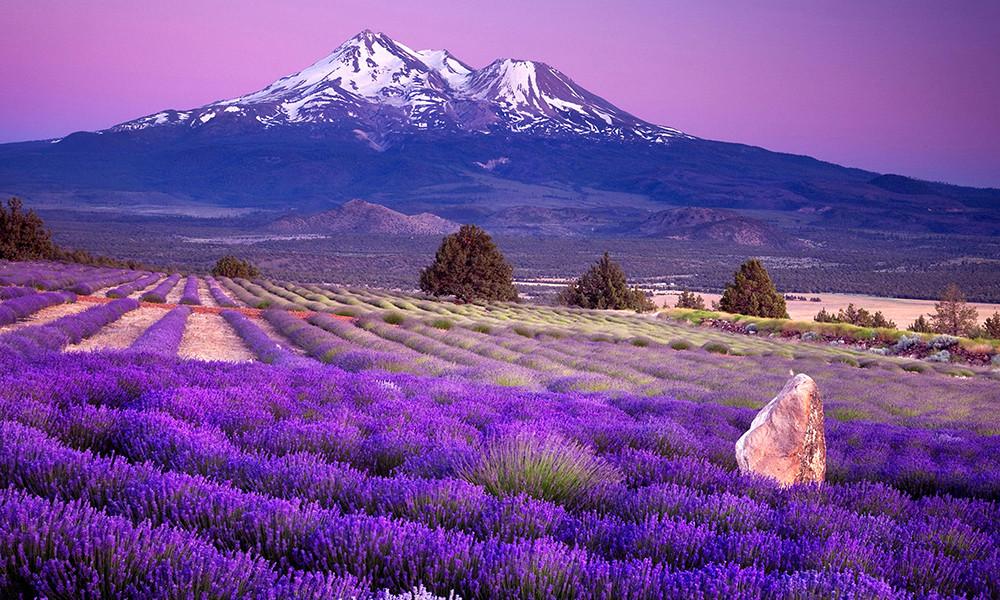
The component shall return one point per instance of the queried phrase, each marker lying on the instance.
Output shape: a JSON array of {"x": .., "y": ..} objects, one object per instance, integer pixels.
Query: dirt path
[
  {"x": 174, "y": 296},
  {"x": 120, "y": 334},
  {"x": 47, "y": 315},
  {"x": 204, "y": 294},
  {"x": 208, "y": 337}
]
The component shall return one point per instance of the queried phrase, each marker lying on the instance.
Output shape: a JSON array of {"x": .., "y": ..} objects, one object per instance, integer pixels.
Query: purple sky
[{"x": 904, "y": 86}]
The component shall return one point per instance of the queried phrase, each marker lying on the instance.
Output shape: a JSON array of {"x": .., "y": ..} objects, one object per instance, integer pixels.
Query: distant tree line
[
  {"x": 954, "y": 316},
  {"x": 855, "y": 316},
  {"x": 23, "y": 236}
]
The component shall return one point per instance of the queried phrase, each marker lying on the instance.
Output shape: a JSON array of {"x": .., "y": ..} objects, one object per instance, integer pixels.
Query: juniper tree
[
  {"x": 953, "y": 315},
  {"x": 604, "y": 285},
  {"x": 470, "y": 267},
  {"x": 752, "y": 293},
  {"x": 23, "y": 235},
  {"x": 991, "y": 326},
  {"x": 232, "y": 267},
  {"x": 690, "y": 300}
]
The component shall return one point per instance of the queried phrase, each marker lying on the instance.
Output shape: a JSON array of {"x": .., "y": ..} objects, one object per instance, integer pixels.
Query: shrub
[
  {"x": 393, "y": 318},
  {"x": 752, "y": 293},
  {"x": 716, "y": 348},
  {"x": 482, "y": 328},
  {"x": 914, "y": 367},
  {"x": 846, "y": 360},
  {"x": 232, "y": 267},
  {"x": 906, "y": 343},
  {"x": 940, "y": 357},
  {"x": 941, "y": 342},
  {"x": 641, "y": 342},
  {"x": 604, "y": 286},
  {"x": 680, "y": 344},
  {"x": 690, "y": 300},
  {"x": 470, "y": 267},
  {"x": 346, "y": 312},
  {"x": 441, "y": 324},
  {"x": 544, "y": 466}
]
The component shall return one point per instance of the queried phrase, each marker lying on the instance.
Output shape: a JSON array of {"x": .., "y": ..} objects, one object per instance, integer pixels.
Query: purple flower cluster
[
  {"x": 124, "y": 291},
  {"x": 164, "y": 336},
  {"x": 81, "y": 279},
  {"x": 8, "y": 292},
  {"x": 375, "y": 481},
  {"x": 35, "y": 340},
  {"x": 160, "y": 292},
  {"x": 191, "y": 294},
  {"x": 22, "y": 306},
  {"x": 218, "y": 295}
]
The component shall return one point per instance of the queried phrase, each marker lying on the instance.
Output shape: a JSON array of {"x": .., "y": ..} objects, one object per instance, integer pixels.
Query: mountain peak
[{"x": 378, "y": 87}]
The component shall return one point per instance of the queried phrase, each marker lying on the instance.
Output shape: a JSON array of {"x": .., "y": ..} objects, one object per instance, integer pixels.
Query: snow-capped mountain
[{"x": 378, "y": 86}]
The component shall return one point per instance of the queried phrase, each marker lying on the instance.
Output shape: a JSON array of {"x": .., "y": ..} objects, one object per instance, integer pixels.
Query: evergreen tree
[
  {"x": 470, "y": 267},
  {"x": 952, "y": 315},
  {"x": 604, "y": 286},
  {"x": 23, "y": 236},
  {"x": 921, "y": 325},
  {"x": 232, "y": 267},
  {"x": 752, "y": 293},
  {"x": 690, "y": 300},
  {"x": 991, "y": 326}
]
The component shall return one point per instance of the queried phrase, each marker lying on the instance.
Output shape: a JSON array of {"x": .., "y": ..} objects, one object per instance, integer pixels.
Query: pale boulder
[{"x": 786, "y": 440}]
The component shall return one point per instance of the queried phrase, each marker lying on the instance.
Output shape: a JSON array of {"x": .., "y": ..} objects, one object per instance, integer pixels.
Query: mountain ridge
[
  {"x": 379, "y": 84},
  {"x": 421, "y": 131},
  {"x": 360, "y": 217}
]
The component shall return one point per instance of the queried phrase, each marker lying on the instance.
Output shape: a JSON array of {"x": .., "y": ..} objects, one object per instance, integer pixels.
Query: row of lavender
[
  {"x": 80, "y": 279},
  {"x": 320, "y": 482}
]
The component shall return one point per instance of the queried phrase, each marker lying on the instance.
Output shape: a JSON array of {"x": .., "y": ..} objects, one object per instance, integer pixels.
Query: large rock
[{"x": 786, "y": 439}]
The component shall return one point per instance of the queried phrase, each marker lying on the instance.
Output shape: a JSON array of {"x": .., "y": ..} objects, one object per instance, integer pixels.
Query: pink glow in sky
[{"x": 904, "y": 86}]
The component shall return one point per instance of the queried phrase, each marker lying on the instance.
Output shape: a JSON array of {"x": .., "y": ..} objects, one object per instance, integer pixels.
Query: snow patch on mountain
[{"x": 376, "y": 85}]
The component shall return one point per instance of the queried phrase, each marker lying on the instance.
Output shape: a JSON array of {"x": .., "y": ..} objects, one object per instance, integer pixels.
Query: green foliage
[
  {"x": 547, "y": 467},
  {"x": 346, "y": 312},
  {"x": 991, "y": 326},
  {"x": 716, "y": 348},
  {"x": 921, "y": 325},
  {"x": 856, "y": 316},
  {"x": 690, "y": 300},
  {"x": 680, "y": 344},
  {"x": 470, "y": 267},
  {"x": 753, "y": 293},
  {"x": 23, "y": 235},
  {"x": 393, "y": 318},
  {"x": 482, "y": 328},
  {"x": 232, "y": 267},
  {"x": 952, "y": 315},
  {"x": 441, "y": 324},
  {"x": 604, "y": 286}
]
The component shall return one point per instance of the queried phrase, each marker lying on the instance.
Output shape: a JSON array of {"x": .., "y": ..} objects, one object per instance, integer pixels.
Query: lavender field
[{"x": 353, "y": 443}]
